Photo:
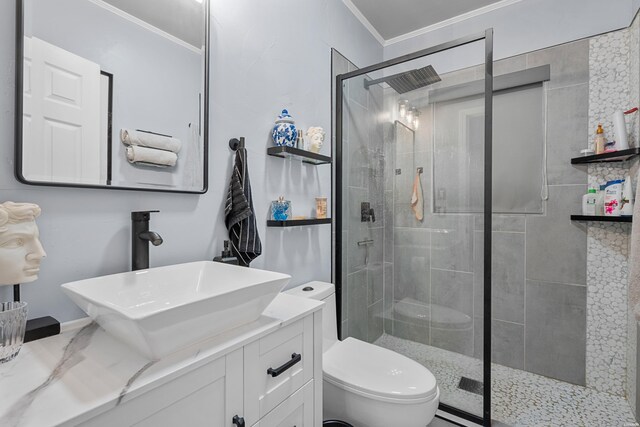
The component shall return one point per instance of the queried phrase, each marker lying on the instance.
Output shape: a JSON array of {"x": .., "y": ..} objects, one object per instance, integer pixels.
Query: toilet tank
[{"x": 322, "y": 291}]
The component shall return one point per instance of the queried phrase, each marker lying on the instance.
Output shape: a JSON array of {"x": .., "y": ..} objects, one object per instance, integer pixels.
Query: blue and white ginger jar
[{"x": 285, "y": 132}]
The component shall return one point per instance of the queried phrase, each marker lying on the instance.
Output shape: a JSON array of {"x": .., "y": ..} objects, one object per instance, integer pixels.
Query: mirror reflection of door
[
  {"x": 62, "y": 116},
  {"x": 78, "y": 124}
]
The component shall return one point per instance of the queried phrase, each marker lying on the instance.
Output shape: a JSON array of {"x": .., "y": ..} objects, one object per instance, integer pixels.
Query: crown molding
[
  {"x": 364, "y": 21},
  {"x": 145, "y": 25}
]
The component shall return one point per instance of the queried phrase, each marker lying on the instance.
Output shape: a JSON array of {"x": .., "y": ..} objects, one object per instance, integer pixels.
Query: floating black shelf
[
  {"x": 298, "y": 222},
  {"x": 601, "y": 218},
  {"x": 296, "y": 153},
  {"x": 616, "y": 156}
]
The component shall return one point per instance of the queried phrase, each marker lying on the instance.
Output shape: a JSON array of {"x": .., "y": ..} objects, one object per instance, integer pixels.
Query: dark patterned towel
[{"x": 240, "y": 217}]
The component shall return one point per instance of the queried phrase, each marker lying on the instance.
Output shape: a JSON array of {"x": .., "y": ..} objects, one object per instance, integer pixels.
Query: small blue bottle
[{"x": 281, "y": 209}]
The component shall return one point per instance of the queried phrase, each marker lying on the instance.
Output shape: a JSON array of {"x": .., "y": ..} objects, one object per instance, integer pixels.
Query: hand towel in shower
[
  {"x": 240, "y": 217},
  {"x": 634, "y": 258},
  {"x": 417, "y": 200}
]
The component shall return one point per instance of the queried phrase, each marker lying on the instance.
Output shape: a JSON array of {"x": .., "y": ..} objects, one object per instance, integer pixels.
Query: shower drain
[{"x": 470, "y": 385}]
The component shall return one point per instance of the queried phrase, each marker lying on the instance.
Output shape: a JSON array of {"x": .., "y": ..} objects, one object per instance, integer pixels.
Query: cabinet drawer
[
  {"x": 192, "y": 388},
  {"x": 276, "y": 366},
  {"x": 296, "y": 411}
]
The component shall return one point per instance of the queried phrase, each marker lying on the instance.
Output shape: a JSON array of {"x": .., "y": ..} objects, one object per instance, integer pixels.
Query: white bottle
[
  {"x": 600, "y": 200},
  {"x": 589, "y": 202},
  {"x": 626, "y": 207},
  {"x": 620, "y": 128}
]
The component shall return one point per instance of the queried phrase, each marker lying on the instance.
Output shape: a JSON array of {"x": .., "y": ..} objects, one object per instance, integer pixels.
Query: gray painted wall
[{"x": 263, "y": 59}]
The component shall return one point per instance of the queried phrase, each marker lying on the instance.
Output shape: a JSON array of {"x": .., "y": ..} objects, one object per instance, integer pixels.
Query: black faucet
[{"x": 140, "y": 238}]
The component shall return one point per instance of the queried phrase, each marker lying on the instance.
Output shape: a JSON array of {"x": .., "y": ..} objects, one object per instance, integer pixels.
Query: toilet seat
[{"x": 377, "y": 373}]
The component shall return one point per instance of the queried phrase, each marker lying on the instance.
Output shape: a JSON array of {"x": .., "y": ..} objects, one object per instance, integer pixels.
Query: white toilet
[{"x": 366, "y": 385}]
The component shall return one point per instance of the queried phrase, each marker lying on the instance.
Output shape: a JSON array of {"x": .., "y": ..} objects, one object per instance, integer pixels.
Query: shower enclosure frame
[{"x": 487, "y": 36}]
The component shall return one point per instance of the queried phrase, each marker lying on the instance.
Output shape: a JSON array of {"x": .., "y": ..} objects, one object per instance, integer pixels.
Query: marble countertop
[{"x": 72, "y": 377}]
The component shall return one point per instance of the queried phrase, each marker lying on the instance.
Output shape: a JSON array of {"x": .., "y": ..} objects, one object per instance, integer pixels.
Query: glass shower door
[{"x": 412, "y": 137}]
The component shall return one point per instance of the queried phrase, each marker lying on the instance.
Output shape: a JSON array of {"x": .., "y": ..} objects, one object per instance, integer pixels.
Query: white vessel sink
[{"x": 161, "y": 310}]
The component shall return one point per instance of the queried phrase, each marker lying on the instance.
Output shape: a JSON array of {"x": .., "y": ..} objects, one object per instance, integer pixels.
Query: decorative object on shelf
[
  {"x": 316, "y": 137},
  {"x": 20, "y": 255},
  {"x": 284, "y": 132},
  {"x": 281, "y": 209},
  {"x": 321, "y": 207},
  {"x": 300, "y": 145}
]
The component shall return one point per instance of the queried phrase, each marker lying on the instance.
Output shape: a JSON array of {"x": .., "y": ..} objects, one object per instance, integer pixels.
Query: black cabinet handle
[
  {"x": 239, "y": 421},
  {"x": 295, "y": 358}
]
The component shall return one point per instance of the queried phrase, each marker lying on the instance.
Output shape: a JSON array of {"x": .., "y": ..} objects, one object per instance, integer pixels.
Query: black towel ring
[{"x": 236, "y": 143}]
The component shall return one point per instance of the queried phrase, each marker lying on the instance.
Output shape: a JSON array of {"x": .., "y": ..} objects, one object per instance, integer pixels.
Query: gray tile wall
[{"x": 539, "y": 261}]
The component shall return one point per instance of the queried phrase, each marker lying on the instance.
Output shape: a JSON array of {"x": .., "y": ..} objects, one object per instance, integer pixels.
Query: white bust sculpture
[
  {"x": 20, "y": 249},
  {"x": 316, "y": 134}
]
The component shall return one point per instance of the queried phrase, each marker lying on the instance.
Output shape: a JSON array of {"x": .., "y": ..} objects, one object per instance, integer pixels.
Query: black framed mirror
[{"x": 113, "y": 94}]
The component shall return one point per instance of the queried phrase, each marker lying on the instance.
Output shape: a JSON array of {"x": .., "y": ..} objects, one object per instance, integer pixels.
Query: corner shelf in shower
[
  {"x": 616, "y": 156},
  {"x": 298, "y": 222},
  {"x": 601, "y": 218},
  {"x": 298, "y": 154}
]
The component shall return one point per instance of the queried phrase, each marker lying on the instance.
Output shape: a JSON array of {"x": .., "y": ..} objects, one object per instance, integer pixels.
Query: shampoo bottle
[
  {"x": 613, "y": 198},
  {"x": 600, "y": 141}
]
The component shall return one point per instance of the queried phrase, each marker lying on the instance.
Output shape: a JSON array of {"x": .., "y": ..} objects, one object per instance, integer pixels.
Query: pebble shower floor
[{"x": 519, "y": 398}]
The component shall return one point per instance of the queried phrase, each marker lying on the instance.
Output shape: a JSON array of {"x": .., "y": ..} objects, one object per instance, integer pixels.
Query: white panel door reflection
[{"x": 61, "y": 125}]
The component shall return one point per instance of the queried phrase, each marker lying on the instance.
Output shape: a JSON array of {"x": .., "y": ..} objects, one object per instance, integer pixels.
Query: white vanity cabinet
[
  {"x": 268, "y": 373},
  {"x": 272, "y": 381}
]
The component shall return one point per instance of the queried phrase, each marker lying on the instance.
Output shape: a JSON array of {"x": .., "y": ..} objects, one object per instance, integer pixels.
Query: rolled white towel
[
  {"x": 150, "y": 140},
  {"x": 151, "y": 156}
]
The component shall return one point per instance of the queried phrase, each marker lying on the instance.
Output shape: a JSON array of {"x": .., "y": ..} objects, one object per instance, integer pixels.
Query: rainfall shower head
[{"x": 408, "y": 80}]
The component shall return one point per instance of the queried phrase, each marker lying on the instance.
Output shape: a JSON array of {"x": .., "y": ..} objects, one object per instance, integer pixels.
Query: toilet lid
[{"x": 377, "y": 372}]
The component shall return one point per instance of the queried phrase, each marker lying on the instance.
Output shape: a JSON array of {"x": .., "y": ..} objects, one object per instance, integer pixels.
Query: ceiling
[
  {"x": 395, "y": 18},
  {"x": 181, "y": 18}
]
